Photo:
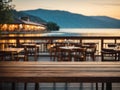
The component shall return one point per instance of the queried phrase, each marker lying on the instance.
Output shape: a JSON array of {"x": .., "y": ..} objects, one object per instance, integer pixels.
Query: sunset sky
[{"x": 86, "y": 7}]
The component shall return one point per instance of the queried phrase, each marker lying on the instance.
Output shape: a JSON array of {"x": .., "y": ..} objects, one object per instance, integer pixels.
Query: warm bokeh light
[{"x": 22, "y": 27}]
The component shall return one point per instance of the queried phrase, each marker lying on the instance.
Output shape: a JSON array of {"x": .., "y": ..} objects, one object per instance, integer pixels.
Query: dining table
[
  {"x": 12, "y": 51},
  {"x": 29, "y": 44},
  {"x": 33, "y": 49},
  {"x": 69, "y": 47},
  {"x": 68, "y": 51},
  {"x": 117, "y": 50}
]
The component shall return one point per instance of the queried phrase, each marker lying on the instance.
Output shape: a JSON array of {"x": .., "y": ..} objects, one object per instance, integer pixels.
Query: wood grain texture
[{"x": 13, "y": 71}]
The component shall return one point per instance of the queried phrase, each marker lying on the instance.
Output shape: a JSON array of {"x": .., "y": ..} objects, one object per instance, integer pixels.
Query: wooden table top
[
  {"x": 16, "y": 50},
  {"x": 30, "y": 45},
  {"x": 69, "y": 47},
  {"x": 13, "y": 71}
]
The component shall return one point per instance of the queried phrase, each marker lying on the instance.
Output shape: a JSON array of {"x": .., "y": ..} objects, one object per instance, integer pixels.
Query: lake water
[
  {"x": 92, "y": 32},
  {"x": 75, "y": 32}
]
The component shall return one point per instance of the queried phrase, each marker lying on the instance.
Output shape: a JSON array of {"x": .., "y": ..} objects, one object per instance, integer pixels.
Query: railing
[{"x": 45, "y": 42}]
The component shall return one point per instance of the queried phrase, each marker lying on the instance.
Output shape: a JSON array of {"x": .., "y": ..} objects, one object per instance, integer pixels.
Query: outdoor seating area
[
  {"x": 60, "y": 51},
  {"x": 23, "y": 51},
  {"x": 56, "y": 52},
  {"x": 69, "y": 53}
]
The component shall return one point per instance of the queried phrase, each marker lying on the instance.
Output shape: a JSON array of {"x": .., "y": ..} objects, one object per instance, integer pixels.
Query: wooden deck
[{"x": 90, "y": 72}]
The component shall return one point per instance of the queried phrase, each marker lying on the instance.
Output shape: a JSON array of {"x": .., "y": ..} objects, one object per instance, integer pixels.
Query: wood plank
[
  {"x": 13, "y": 71},
  {"x": 56, "y": 63}
]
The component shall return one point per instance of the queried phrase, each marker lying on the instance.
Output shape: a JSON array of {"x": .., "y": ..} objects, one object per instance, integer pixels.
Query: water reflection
[{"x": 73, "y": 32}]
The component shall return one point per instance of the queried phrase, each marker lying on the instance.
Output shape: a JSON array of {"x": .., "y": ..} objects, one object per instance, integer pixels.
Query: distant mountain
[
  {"x": 32, "y": 18},
  {"x": 67, "y": 19},
  {"x": 107, "y": 19}
]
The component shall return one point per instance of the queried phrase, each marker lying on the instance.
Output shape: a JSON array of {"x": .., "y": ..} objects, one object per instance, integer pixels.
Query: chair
[
  {"x": 108, "y": 54},
  {"x": 23, "y": 55},
  {"x": 112, "y": 45},
  {"x": 53, "y": 52},
  {"x": 64, "y": 54},
  {"x": 90, "y": 50},
  {"x": 32, "y": 51},
  {"x": 11, "y": 45},
  {"x": 79, "y": 54},
  {"x": 77, "y": 44},
  {"x": 6, "y": 56},
  {"x": 118, "y": 55},
  {"x": 1, "y": 56}
]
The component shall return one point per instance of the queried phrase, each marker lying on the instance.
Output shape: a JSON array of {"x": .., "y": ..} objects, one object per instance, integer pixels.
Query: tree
[
  {"x": 52, "y": 26},
  {"x": 5, "y": 12}
]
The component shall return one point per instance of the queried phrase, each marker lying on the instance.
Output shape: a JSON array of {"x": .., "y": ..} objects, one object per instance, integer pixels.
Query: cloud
[
  {"x": 110, "y": 4},
  {"x": 107, "y": 2}
]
